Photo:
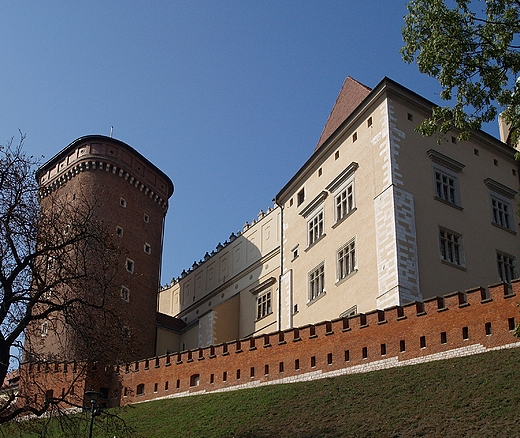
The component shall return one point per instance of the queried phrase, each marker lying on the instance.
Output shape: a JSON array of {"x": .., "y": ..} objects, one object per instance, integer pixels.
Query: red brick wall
[
  {"x": 457, "y": 324},
  {"x": 449, "y": 326}
]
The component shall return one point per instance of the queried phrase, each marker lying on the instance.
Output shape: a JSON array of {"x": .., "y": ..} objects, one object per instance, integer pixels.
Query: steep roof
[{"x": 351, "y": 95}]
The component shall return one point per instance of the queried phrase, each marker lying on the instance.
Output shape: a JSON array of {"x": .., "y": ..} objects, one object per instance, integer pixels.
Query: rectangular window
[
  {"x": 451, "y": 246},
  {"x": 446, "y": 186},
  {"x": 263, "y": 305},
  {"x": 346, "y": 260},
  {"x": 444, "y": 338},
  {"x": 422, "y": 341},
  {"x": 315, "y": 228},
  {"x": 501, "y": 212},
  {"x": 130, "y": 265},
  {"x": 344, "y": 202},
  {"x": 147, "y": 248},
  {"x": 506, "y": 265},
  {"x": 465, "y": 333},
  {"x": 125, "y": 293},
  {"x": 402, "y": 345},
  {"x": 316, "y": 282},
  {"x": 45, "y": 329},
  {"x": 301, "y": 197},
  {"x": 489, "y": 330}
]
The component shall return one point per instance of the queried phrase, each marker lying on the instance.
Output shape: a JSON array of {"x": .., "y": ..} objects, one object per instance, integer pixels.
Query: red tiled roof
[{"x": 351, "y": 95}]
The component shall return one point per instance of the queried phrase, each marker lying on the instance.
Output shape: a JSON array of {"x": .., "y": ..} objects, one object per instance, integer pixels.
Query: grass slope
[{"x": 476, "y": 396}]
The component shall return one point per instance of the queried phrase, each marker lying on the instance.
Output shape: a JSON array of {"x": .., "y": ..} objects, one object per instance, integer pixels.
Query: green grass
[{"x": 476, "y": 396}]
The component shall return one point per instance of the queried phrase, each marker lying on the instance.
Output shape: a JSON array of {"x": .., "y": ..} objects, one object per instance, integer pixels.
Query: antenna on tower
[{"x": 111, "y": 131}]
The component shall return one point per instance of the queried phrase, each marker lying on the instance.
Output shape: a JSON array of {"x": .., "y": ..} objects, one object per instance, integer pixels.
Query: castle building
[
  {"x": 378, "y": 216},
  {"x": 129, "y": 195}
]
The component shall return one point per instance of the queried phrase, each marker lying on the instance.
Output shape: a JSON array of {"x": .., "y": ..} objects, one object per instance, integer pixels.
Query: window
[
  {"x": 422, "y": 341},
  {"x": 446, "y": 182},
  {"x": 263, "y": 305},
  {"x": 195, "y": 380},
  {"x": 465, "y": 333},
  {"x": 315, "y": 228},
  {"x": 301, "y": 197},
  {"x": 140, "y": 389},
  {"x": 146, "y": 218},
  {"x": 451, "y": 246},
  {"x": 501, "y": 212},
  {"x": 346, "y": 258},
  {"x": 147, "y": 248},
  {"x": 122, "y": 202},
  {"x": 354, "y": 137},
  {"x": 45, "y": 329},
  {"x": 295, "y": 252},
  {"x": 506, "y": 265},
  {"x": 130, "y": 265},
  {"x": 125, "y": 293},
  {"x": 445, "y": 187},
  {"x": 344, "y": 202},
  {"x": 119, "y": 231},
  {"x": 317, "y": 282},
  {"x": 444, "y": 338},
  {"x": 489, "y": 330}
]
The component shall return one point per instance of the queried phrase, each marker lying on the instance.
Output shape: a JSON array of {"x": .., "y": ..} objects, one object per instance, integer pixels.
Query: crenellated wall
[{"x": 457, "y": 324}]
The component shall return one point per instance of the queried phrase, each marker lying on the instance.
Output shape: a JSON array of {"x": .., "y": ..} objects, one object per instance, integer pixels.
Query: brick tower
[{"x": 129, "y": 195}]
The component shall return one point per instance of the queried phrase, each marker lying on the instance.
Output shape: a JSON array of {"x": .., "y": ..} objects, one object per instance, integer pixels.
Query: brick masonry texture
[
  {"x": 455, "y": 325},
  {"x": 458, "y": 324}
]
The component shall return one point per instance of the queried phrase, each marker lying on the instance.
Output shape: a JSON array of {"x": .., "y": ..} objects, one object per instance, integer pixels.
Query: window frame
[
  {"x": 316, "y": 283},
  {"x": 439, "y": 193},
  {"x": 449, "y": 168},
  {"x": 125, "y": 294},
  {"x": 315, "y": 227},
  {"x": 504, "y": 195},
  {"x": 264, "y": 305},
  {"x": 130, "y": 265},
  {"x": 341, "y": 257},
  {"x": 457, "y": 248},
  {"x": 351, "y": 205},
  {"x": 513, "y": 266},
  {"x": 497, "y": 213}
]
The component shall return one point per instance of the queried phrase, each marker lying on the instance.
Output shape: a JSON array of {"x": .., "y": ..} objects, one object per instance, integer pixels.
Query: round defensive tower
[{"x": 130, "y": 196}]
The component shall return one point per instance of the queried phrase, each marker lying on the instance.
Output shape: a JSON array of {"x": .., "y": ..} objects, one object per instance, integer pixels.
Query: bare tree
[{"x": 59, "y": 282}]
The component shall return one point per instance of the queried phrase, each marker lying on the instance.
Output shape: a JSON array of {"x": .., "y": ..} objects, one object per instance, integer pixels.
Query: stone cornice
[{"x": 103, "y": 166}]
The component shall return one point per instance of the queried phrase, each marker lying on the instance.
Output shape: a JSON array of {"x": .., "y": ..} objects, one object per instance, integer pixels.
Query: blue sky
[{"x": 228, "y": 98}]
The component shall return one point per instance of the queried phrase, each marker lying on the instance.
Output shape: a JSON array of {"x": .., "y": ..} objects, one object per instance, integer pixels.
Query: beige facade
[
  {"x": 378, "y": 216},
  {"x": 232, "y": 293}
]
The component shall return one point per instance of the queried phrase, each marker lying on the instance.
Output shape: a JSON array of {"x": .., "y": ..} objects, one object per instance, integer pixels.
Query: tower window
[
  {"x": 146, "y": 218},
  {"x": 122, "y": 202},
  {"x": 130, "y": 265},
  {"x": 125, "y": 293},
  {"x": 119, "y": 231},
  {"x": 147, "y": 248}
]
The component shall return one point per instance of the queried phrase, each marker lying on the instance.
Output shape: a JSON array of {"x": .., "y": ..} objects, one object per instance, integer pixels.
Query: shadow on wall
[{"x": 229, "y": 294}]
